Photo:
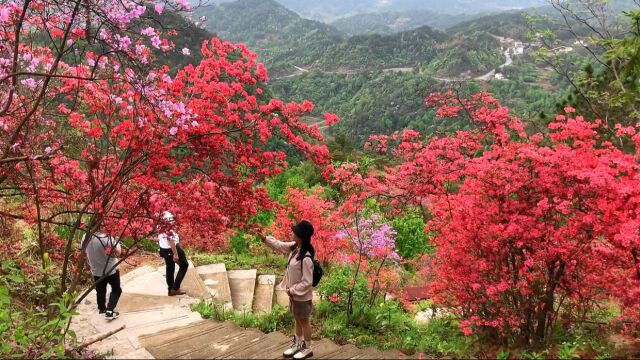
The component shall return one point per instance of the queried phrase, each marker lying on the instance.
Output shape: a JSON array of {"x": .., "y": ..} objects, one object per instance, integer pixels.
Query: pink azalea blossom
[{"x": 148, "y": 31}]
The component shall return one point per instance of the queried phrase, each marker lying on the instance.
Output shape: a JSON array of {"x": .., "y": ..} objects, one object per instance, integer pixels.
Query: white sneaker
[
  {"x": 293, "y": 349},
  {"x": 304, "y": 352}
]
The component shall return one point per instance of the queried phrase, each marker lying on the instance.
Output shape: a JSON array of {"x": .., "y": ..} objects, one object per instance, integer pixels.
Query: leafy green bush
[
  {"x": 411, "y": 239},
  {"x": 29, "y": 332},
  {"x": 270, "y": 263},
  {"x": 277, "y": 320}
]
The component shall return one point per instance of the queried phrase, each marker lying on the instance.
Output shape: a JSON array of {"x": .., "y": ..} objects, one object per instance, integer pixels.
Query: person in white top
[{"x": 173, "y": 254}]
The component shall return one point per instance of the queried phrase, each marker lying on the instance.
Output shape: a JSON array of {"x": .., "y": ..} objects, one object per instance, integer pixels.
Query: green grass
[
  {"x": 279, "y": 319},
  {"x": 269, "y": 263}
]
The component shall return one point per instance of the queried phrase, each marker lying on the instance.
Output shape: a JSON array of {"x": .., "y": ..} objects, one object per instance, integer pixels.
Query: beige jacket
[{"x": 299, "y": 277}]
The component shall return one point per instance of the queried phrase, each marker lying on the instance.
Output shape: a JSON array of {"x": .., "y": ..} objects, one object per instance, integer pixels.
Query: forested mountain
[
  {"x": 331, "y": 9},
  {"x": 391, "y": 22},
  {"x": 376, "y": 82},
  {"x": 328, "y": 10},
  {"x": 476, "y": 52},
  {"x": 190, "y": 37},
  {"x": 512, "y": 24},
  {"x": 262, "y": 23},
  {"x": 284, "y": 40}
]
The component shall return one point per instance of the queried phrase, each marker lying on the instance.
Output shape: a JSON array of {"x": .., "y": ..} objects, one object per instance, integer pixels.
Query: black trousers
[
  {"x": 167, "y": 254},
  {"x": 101, "y": 291}
]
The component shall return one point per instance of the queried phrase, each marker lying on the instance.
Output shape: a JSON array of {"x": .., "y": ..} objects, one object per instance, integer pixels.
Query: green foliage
[
  {"x": 390, "y": 22},
  {"x": 389, "y": 326},
  {"x": 514, "y": 24},
  {"x": 266, "y": 262},
  {"x": 302, "y": 176},
  {"x": 371, "y": 102},
  {"x": 411, "y": 239},
  {"x": 477, "y": 52},
  {"x": 145, "y": 244},
  {"x": 533, "y": 355},
  {"x": 238, "y": 243},
  {"x": 278, "y": 319},
  {"x": 25, "y": 331},
  {"x": 569, "y": 350},
  {"x": 338, "y": 281}
]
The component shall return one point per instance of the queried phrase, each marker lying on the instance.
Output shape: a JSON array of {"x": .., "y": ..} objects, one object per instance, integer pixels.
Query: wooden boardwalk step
[
  {"x": 174, "y": 336},
  {"x": 344, "y": 352},
  {"x": 187, "y": 341},
  {"x": 219, "y": 344},
  {"x": 269, "y": 346},
  {"x": 324, "y": 347}
]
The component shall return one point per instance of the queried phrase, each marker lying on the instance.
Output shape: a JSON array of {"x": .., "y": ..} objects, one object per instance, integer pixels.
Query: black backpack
[{"x": 317, "y": 270}]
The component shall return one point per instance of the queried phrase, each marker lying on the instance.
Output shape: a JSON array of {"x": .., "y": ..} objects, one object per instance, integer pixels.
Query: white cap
[{"x": 166, "y": 215}]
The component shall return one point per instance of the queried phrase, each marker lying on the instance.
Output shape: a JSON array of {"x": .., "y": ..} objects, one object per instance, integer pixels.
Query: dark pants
[
  {"x": 167, "y": 254},
  {"x": 101, "y": 291}
]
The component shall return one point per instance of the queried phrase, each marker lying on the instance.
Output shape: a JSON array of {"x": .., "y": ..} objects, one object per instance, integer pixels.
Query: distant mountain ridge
[
  {"x": 392, "y": 22},
  {"x": 285, "y": 40},
  {"x": 330, "y": 10}
]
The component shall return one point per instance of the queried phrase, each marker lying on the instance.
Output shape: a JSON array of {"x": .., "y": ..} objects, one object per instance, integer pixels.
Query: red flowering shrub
[
  {"x": 302, "y": 205},
  {"x": 526, "y": 226},
  {"x": 109, "y": 140}
]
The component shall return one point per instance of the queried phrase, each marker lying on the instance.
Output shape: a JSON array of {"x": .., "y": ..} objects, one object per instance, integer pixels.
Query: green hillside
[
  {"x": 285, "y": 41},
  {"x": 375, "y": 82},
  {"x": 190, "y": 37},
  {"x": 476, "y": 52},
  {"x": 392, "y": 22}
]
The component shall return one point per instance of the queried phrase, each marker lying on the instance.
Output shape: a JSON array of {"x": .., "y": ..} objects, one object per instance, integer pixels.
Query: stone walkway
[{"x": 162, "y": 327}]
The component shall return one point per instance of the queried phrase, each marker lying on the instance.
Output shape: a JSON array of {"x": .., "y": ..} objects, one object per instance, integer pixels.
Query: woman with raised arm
[{"x": 298, "y": 282}]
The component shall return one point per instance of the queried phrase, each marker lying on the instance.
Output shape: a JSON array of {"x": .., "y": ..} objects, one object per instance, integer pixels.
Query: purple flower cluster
[{"x": 374, "y": 238}]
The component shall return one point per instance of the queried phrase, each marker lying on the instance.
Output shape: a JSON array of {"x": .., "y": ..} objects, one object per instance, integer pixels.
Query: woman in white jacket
[{"x": 298, "y": 282}]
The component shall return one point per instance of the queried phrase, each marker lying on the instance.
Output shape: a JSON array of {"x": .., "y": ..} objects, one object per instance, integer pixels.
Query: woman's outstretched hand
[{"x": 259, "y": 234}]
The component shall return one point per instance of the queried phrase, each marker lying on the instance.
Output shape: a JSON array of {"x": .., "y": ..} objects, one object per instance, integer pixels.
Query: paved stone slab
[
  {"x": 215, "y": 278},
  {"x": 114, "y": 349},
  {"x": 135, "y": 273},
  {"x": 242, "y": 284},
  {"x": 139, "y": 302},
  {"x": 263, "y": 299},
  {"x": 150, "y": 283},
  {"x": 194, "y": 285},
  {"x": 165, "y": 313},
  {"x": 281, "y": 297},
  {"x": 393, "y": 354}
]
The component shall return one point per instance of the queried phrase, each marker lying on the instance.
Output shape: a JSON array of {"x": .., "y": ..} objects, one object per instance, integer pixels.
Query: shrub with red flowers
[
  {"x": 313, "y": 207},
  {"x": 107, "y": 140},
  {"x": 527, "y": 226}
]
